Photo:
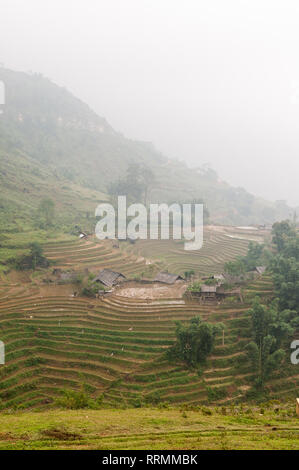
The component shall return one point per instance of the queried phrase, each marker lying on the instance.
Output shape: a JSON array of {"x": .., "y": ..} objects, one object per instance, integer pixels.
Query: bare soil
[{"x": 152, "y": 291}]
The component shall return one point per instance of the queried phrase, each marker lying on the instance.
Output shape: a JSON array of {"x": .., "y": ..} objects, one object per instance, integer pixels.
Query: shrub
[
  {"x": 216, "y": 393},
  {"x": 206, "y": 411},
  {"x": 194, "y": 342},
  {"x": 73, "y": 400},
  {"x": 34, "y": 259}
]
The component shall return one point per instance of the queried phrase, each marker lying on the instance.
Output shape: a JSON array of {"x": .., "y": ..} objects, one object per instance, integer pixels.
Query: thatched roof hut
[
  {"x": 168, "y": 278},
  {"x": 109, "y": 278},
  {"x": 260, "y": 269}
]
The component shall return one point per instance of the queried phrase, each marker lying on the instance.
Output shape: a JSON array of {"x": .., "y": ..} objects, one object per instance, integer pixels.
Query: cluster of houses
[
  {"x": 217, "y": 290},
  {"x": 222, "y": 285},
  {"x": 207, "y": 291},
  {"x": 108, "y": 278}
]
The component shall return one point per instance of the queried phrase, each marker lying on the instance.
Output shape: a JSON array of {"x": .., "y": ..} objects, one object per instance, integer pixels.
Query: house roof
[
  {"x": 260, "y": 269},
  {"x": 108, "y": 277},
  {"x": 219, "y": 277},
  {"x": 167, "y": 278},
  {"x": 208, "y": 289}
]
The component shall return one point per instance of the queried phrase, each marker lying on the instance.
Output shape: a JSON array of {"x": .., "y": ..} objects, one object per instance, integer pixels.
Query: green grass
[{"x": 152, "y": 428}]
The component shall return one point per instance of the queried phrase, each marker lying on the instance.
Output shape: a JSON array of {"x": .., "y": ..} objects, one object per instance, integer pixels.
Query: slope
[{"x": 62, "y": 138}]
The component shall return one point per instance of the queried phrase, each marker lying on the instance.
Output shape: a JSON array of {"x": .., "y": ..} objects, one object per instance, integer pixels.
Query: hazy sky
[{"x": 205, "y": 80}]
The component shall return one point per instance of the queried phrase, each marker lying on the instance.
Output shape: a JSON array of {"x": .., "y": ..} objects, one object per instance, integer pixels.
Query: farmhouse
[
  {"x": 109, "y": 278},
  {"x": 208, "y": 292},
  {"x": 216, "y": 292},
  {"x": 168, "y": 278},
  {"x": 69, "y": 276},
  {"x": 65, "y": 276}
]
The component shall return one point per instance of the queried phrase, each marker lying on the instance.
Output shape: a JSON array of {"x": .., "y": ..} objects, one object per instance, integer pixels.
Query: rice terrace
[
  {"x": 113, "y": 346},
  {"x": 115, "y": 342}
]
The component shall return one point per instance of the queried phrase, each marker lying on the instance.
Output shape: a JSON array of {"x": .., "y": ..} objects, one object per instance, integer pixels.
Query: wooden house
[
  {"x": 208, "y": 292},
  {"x": 168, "y": 278},
  {"x": 109, "y": 278}
]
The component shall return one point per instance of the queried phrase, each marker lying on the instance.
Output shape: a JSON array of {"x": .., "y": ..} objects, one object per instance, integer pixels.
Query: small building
[
  {"x": 219, "y": 277},
  {"x": 109, "y": 278},
  {"x": 82, "y": 235},
  {"x": 260, "y": 269},
  {"x": 68, "y": 276},
  {"x": 65, "y": 276},
  {"x": 220, "y": 292},
  {"x": 168, "y": 278},
  {"x": 208, "y": 292},
  {"x": 212, "y": 292}
]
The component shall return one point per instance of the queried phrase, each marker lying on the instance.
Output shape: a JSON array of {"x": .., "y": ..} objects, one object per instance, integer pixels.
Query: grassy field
[{"x": 152, "y": 428}]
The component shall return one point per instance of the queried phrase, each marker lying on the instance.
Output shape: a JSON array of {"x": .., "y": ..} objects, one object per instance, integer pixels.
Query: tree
[
  {"x": 285, "y": 265},
  {"x": 255, "y": 256},
  {"x": 36, "y": 253},
  {"x": 189, "y": 274},
  {"x": 195, "y": 341},
  {"x": 235, "y": 268},
  {"x": 281, "y": 233},
  {"x": 135, "y": 184},
  {"x": 286, "y": 281},
  {"x": 148, "y": 179},
  {"x": 269, "y": 328},
  {"x": 46, "y": 210},
  {"x": 34, "y": 259}
]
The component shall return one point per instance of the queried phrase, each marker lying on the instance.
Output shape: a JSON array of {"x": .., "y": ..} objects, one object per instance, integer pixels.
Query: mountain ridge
[{"x": 50, "y": 126}]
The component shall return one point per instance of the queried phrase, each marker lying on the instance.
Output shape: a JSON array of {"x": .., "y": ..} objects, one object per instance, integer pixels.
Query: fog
[{"x": 207, "y": 81}]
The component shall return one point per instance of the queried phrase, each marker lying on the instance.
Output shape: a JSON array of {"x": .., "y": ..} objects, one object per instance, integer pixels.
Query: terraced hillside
[
  {"x": 146, "y": 257},
  {"x": 221, "y": 244},
  {"x": 94, "y": 255},
  {"x": 116, "y": 345}
]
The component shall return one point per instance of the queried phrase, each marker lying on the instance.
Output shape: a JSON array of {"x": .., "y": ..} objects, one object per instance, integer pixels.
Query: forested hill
[
  {"x": 52, "y": 126},
  {"x": 54, "y": 137}
]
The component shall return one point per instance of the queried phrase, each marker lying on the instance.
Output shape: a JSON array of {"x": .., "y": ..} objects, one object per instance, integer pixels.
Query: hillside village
[
  {"x": 214, "y": 287},
  {"x": 140, "y": 328},
  {"x": 105, "y": 315}
]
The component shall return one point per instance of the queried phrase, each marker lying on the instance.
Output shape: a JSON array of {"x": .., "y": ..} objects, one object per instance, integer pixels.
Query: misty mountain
[{"x": 55, "y": 137}]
